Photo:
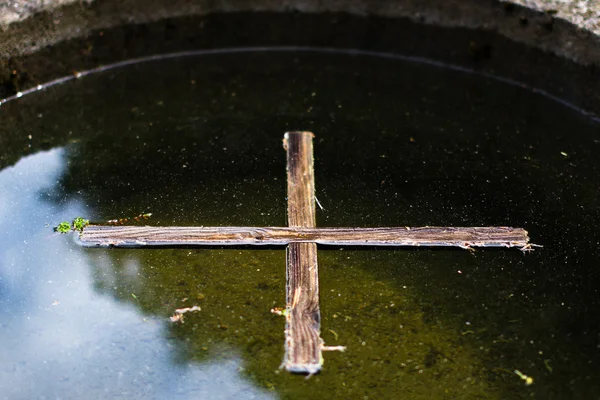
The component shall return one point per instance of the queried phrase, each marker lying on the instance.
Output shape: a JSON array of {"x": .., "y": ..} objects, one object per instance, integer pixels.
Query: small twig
[
  {"x": 529, "y": 247},
  {"x": 319, "y": 204},
  {"x": 333, "y": 348}
]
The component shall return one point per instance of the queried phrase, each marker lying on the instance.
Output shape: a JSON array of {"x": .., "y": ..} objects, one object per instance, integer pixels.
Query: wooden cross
[{"x": 303, "y": 344}]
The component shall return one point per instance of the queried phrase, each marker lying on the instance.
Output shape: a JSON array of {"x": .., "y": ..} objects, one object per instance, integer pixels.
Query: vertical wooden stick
[{"x": 303, "y": 344}]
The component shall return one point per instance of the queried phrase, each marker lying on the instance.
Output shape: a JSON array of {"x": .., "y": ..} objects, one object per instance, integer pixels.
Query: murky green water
[{"x": 197, "y": 141}]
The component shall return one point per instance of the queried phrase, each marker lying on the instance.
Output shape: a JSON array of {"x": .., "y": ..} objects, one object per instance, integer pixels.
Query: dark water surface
[{"x": 197, "y": 141}]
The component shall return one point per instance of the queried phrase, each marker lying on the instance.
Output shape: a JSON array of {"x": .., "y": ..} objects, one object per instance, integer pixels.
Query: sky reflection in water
[{"x": 59, "y": 338}]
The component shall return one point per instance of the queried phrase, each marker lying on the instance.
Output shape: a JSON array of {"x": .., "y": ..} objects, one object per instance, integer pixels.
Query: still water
[{"x": 197, "y": 141}]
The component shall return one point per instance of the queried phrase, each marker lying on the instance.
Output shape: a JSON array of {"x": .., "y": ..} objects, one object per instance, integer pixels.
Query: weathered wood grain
[
  {"x": 303, "y": 343},
  {"x": 140, "y": 236}
]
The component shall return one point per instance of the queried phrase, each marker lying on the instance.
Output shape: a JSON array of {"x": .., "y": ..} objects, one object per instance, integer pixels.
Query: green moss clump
[
  {"x": 63, "y": 227},
  {"x": 77, "y": 225}
]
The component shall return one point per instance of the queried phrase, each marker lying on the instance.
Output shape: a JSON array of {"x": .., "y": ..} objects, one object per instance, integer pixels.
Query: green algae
[
  {"x": 63, "y": 227},
  {"x": 77, "y": 225}
]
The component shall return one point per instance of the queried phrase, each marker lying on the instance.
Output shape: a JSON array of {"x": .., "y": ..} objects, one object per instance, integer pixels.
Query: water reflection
[{"x": 60, "y": 338}]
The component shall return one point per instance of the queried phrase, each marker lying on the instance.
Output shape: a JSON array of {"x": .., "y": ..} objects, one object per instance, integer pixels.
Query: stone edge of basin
[{"x": 570, "y": 30}]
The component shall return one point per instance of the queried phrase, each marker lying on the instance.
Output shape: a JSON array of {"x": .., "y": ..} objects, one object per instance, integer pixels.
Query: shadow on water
[{"x": 196, "y": 141}]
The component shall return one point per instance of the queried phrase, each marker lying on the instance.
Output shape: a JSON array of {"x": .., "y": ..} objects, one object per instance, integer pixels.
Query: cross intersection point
[{"x": 303, "y": 343}]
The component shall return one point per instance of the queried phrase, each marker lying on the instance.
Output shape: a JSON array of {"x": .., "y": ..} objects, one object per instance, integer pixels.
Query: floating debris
[
  {"x": 528, "y": 380},
  {"x": 178, "y": 315},
  {"x": 547, "y": 365},
  {"x": 279, "y": 311},
  {"x": 333, "y": 348},
  {"x": 121, "y": 221}
]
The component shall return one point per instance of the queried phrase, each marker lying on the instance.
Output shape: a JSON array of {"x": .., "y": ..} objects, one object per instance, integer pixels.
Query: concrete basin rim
[{"x": 527, "y": 21}]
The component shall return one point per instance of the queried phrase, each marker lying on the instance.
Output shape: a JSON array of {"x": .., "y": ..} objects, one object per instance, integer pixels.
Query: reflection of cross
[{"x": 303, "y": 344}]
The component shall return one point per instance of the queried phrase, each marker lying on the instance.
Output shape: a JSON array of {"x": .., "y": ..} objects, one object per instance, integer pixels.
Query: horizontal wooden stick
[{"x": 140, "y": 236}]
